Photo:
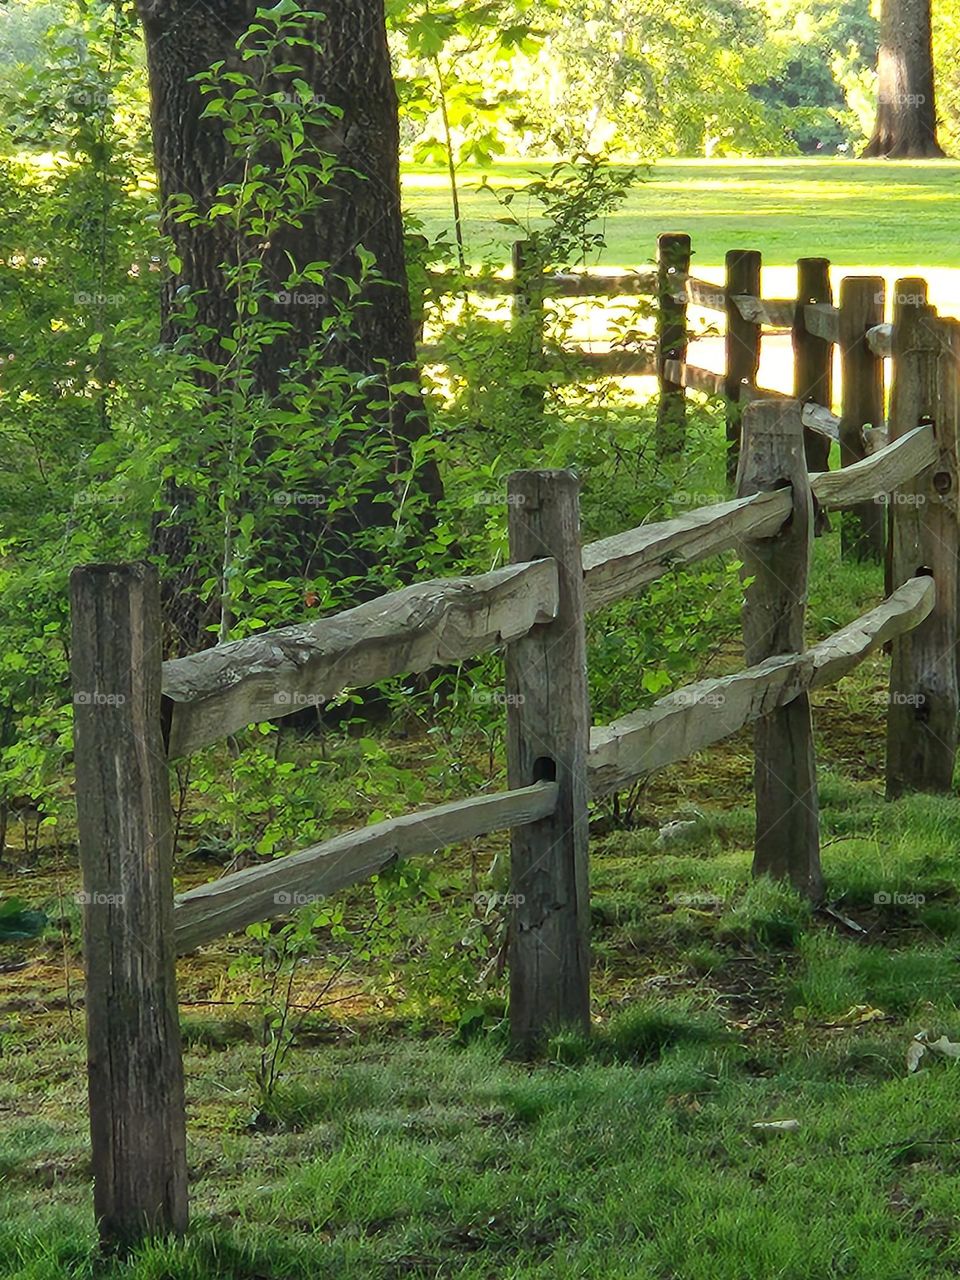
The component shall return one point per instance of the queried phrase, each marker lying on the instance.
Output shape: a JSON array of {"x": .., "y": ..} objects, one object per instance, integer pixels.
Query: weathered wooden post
[
  {"x": 785, "y": 777},
  {"x": 742, "y": 345},
  {"x": 813, "y": 356},
  {"x": 924, "y": 699},
  {"x": 135, "y": 1070},
  {"x": 548, "y": 732},
  {"x": 529, "y": 320},
  {"x": 673, "y": 266},
  {"x": 861, "y": 307}
]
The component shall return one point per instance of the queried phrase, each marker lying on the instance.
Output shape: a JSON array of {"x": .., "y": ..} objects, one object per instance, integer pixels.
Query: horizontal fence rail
[
  {"x": 288, "y": 883},
  {"x": 211, "y": 694},
  {"x": 701, "y": 714}
]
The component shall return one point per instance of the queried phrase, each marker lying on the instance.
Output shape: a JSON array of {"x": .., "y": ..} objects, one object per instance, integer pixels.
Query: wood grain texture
[
  {"x": 741, "y": 348},
  {"x": 862, "y": 533},
  {"x": 218, "y": 691},
  {"x": 673, "y": 263},
  {"x": 548, "y": 728},
  {"x": 286, "y": 884},
  {"x": 876, "y": 476},
  {"x": 126, "y": 853},
  {"x": 694, "y": 717},
  {"x": 618, "y": 566},
  {"x": 822, "y": 319},
  {"x": 813, "y": 356},
  {"x": 776, "y": 570},
  {"x": 924, "y": 695}
]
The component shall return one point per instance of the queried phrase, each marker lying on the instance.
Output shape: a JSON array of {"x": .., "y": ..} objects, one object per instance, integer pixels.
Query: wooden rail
[{"x": 287, "y": 884}]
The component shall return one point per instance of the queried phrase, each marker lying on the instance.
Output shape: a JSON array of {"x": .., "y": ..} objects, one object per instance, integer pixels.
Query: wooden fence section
[
  {"x": 856, "y": 325},
  {"x": 534, "y": 610}
]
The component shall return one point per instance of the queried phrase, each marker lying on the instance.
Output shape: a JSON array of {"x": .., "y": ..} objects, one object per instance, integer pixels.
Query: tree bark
[
  {"x": 349, "y": 70},
  {"x": 906, "y": 124}
]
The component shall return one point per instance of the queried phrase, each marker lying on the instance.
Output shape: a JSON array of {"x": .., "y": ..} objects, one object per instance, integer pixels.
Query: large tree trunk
[
  {"x": 351, "y": 71},
  {"x": 906, "y": 126}
]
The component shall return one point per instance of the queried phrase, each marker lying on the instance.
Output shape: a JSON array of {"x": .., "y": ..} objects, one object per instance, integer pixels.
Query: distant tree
[{"x": 906, "y": 125}]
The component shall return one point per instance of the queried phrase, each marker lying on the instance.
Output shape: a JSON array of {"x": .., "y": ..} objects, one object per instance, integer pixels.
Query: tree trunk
[
  {"x": 350, "y": 70},
  {"x": 906, "y": 125}
]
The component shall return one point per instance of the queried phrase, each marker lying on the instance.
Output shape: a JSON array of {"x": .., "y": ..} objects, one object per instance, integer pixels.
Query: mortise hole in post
[
  {"x": 923, "y": 571},
  {"x": 943, "y": 482},
  {"x": 545, "y": 769}
]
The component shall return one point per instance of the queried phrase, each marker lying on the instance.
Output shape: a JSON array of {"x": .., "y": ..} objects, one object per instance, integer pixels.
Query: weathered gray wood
[
  {"x": 286, "y": 884},
  {"x": 880, "y": 339},
  {"x": 741, "y": 346},
  {"x": 862, "y": 533},
  {"x": 822, "y": 319},
  {"x": 700, "y": 714},
  {"x": 774, "y": 313},
  {"x": 924, "y": 700},
  {"x": 548, "y": 727},
  {"x": 701, "y": 293},
  {"x": 125, "y": 827},
  {"x": 587, "y": 284},
  {"x": 673, "y": 263},
  {"x": 559, "y": 284},
  {"x": 876, "y": 477},
  {"x": 787, "y": 831},
  {"x": 812, "y": 354},
  {"x": 618, "y": 364},
  {"x": 620, "y": 565},
  {"x": 216, "y": 692},
  {"x": 695, "y": 378}
]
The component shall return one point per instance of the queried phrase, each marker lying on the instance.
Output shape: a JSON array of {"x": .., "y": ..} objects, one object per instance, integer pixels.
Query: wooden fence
[
  {"x": 816, "y": 325},
  {"x": 135, "y": 713}
]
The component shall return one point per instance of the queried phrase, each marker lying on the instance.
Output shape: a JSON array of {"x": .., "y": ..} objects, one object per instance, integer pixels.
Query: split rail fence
[
  {"x": 135, "y": 713},
  {"x": 816, "y": 326}
]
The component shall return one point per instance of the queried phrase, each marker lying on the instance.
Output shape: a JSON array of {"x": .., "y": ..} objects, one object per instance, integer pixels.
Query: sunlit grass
[{"x": 857, "y": 213}]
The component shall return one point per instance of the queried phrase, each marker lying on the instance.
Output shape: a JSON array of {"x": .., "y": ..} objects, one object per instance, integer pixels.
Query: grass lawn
[
  {"x": 721, "y": 1004},
  {"x": 856, "y": 213}
]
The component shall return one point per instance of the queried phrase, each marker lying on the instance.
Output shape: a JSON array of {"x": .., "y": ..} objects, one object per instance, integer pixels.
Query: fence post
[
  {"x": 742, "y": 345},
  {"x": 528, "y": 318},
  {"x": 673, "y": 265},
  {"x": 785, "y": 779},
  {"x": 861, "y": 307},
  {"x": 924, "y": 700},
  {"x": 548, "y": 732},
  {"x": 135, "y": 1071},
  {"x": 813, "y": 356}
]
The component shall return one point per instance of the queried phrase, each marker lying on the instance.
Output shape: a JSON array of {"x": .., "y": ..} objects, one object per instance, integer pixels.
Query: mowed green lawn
[{"x": 854, "y": 212}]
